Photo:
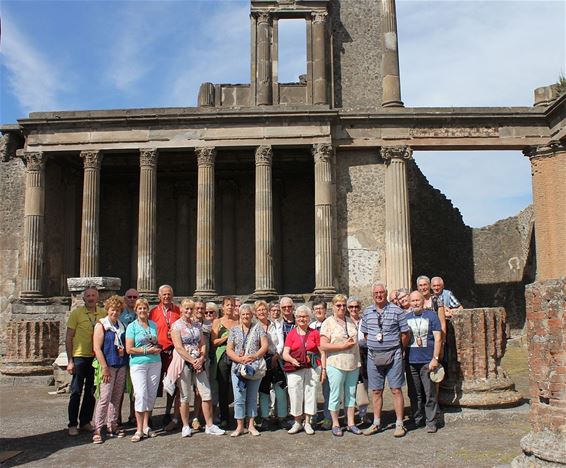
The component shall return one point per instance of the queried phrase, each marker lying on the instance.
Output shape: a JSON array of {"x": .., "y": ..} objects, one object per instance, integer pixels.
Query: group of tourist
[{"x": 275, "y": 354}]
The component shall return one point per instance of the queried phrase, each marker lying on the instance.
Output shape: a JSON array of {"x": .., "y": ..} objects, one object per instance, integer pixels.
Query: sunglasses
[
  {"x": 209, "y": 312},
  {"x": 132, "y": 297},
  {"x": 340, "y": 306}
]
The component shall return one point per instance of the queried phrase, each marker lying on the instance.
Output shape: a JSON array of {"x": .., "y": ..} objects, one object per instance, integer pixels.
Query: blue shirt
[
  {"x": 422, "y": 325},
  {"x": 127, "y": 316},
  {"x": 449, "y": 299},
  {"x": 143, "y": 337},
  {"x": 389, "y": 321}
]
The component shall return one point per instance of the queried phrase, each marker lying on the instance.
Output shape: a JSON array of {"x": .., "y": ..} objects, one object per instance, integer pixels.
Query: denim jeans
[
  {"x": 83, "y": 377},
  {"x": 245, "y": 400},
  {"x": 280, "y": 401}
]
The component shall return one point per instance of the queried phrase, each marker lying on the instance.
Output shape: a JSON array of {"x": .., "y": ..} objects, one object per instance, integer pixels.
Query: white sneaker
[
  {"x": 308, "y": 429},
  {"x": 297, "y": 427},
  {"x": 187, "y": 431},
  {"x": 214, "y": 430}
]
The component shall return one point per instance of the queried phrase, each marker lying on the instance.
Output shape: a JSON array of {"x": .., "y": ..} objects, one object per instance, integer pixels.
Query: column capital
[
  {"x": 402, "y": 152},
  {"x": 322, "y": 152},
  {"x": 545, "y": 151},
  {"x": 263, "y": 17},
  {"x": 34, "y": 160},
  {"x": 91, "y": 159},
  {"x": 205, "y": 156},
  {"x": 148, "y": 157},
  {"x": 263, "y": 155},
  {"x": 319, "y": 16}
]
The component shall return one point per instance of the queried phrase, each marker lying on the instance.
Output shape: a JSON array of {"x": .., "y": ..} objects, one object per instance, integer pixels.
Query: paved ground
[{"x": 33, "y": 422}]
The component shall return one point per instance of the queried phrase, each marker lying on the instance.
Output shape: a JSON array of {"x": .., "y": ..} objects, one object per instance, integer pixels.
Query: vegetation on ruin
[{"x": 560, "y": 85}]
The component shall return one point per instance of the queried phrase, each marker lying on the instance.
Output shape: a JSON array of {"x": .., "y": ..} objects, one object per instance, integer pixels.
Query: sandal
[
  {"x": 137, "y": 437},
  {"x": 97, "y": 439},
  {"x": 147, "y": 432},
  {"x": 120, "y": 433},
  {"x": 337, "y": 431}
]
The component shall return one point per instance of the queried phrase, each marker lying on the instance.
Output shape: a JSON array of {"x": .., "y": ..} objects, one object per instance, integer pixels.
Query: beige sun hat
[{"x": 437, "y": 375}]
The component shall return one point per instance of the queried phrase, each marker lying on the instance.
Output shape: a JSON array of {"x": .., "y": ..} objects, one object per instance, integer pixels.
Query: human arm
[
  {"x": 179, "y": 347},
  {"x": 323, "y": 374},
  {"x": 442, "y": 319},
  {"x": 288, "y": 358},
  {"x": 262, "y": 350},
  {"x": 214, "y": 338},
  {"x": 97, "y": 343},
  {"x": 405, "y": 339},
  {"x": 232, "y": 354},
  {"x": 69, "y": 348},
  {"x": 325, "y": 344},
  {"x": 437, "y": 346}
]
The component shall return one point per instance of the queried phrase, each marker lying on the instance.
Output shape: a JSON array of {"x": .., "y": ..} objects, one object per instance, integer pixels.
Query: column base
[
  {"x": 31, "y": 295},
  {"x": 325, "y": 294},
  {"x": 265, "y": 294},
  {"x": 542, "y": 449},
  {"x": 205, "y": 293}
]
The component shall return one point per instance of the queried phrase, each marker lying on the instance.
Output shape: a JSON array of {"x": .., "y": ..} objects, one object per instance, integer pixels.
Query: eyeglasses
[
  {"x": 353, "y": 307},
  {"x": 132, "y": 297},
  {"x": 209, "y": 312},
  {"x": 302, "y": 316},
  {"x": 340, "y": 306},
  {"x": 286, "y": 307}
]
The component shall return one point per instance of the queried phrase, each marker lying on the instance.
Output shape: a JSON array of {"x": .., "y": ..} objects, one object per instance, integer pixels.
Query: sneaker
[
  {"x": 195, "y": 424},
  {"x": 371, "y": 430},
  {"x": 214, "y": 430},
  {"x": 87, "y": 428},
  {"x": 326, "y": 424},
  {"x": 400, "y": 431},
  {"x": 186, "y": 432},
  {"x": 297, "y": 427},
  {"x": 171, "y": 425},
  {"x": 308, "y": 429},
  {"x": 73, "y": 431}
]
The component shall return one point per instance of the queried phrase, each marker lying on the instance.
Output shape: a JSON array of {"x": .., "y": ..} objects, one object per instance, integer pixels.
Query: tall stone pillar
[
  {"x": 205, "y": 222},
  {"x": 548, "y": 168},
  {"x": 320, "y": 85},
  {"x": 390, "y": 61},
  {"x": 323, "y": 206},
  {"x": 264, "y": 66},
  {"x": 545, "y": 445},
  {"x": 183, "y": 242},
  {"x": 34, "y": 221},
  {"x": 397, "y": 221},
  {"x": 92, "y": 161},
  {"x": 264, "y": 244},
  {"x": 147, "y": 222}
]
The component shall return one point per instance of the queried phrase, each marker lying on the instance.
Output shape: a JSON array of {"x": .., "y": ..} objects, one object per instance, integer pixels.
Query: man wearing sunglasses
[{"x": 385, "y": 329}]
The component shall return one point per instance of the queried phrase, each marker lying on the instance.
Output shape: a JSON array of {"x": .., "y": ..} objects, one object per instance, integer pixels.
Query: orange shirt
[{"x": 164, "y": 318}]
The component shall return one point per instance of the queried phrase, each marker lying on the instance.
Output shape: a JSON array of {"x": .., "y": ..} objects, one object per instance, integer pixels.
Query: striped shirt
[
  {"x": 449, "y": 299},
  {"x": 393, "y": 321}
]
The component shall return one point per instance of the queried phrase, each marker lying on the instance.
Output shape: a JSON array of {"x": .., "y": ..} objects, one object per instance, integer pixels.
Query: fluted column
[
  {"x": 205, "y": 222},
  {"x": 548, "y": 169},
  {"x": 264, "y": 66},
  {"x": 390, "y": 61},
  {"x": 320, "y": 89},
  {"x": 92, "y": 161},
  {"x": 397, "y": 221},
  {"x": 147, "y": 222},
  {"x": 264, "y": 245},
  {"x": 34, "y": 221},
  {"x": 323, "y": 206}
]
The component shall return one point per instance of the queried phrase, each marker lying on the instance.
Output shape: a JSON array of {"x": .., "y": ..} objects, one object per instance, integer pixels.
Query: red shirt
[
  {"x": 164, "y": 318},
  {"x": 294, "y": 342}
]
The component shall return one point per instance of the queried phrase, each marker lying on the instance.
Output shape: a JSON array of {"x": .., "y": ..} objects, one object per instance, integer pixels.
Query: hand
[
  {"x": 349, "y": 343},
  {"x": 247, "y": 359},
  {"x": 71, "y": 367},
  {"x": 433, "y": 364},
  {"x": 295, "y": 363},
  {"x": 106, "y": 375},
  {"x": 154, "y": 350},
  {"x": 447, "y": 313},
  {"x": 322, "y": 376}
]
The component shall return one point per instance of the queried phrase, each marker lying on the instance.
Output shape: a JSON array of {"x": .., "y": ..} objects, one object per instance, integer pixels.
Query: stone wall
[{"x": 357, "y": 42}]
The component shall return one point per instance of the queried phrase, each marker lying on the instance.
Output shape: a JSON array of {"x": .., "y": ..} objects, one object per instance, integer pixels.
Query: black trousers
[
  {"x": 224, "y": 379},
  {"x": 422, "y": 393}
]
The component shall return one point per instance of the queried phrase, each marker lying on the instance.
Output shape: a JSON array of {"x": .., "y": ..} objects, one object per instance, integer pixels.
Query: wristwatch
[{"x": 436, "y": 357}]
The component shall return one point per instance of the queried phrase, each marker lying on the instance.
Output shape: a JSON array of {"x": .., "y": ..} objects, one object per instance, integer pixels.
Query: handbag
[
  {"x": 259, "y": 367},
  {"x": 384, "y": 358}
]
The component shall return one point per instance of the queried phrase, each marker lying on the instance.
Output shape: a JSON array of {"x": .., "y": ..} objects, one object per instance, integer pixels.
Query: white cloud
[{"x": 31, "y": 77}]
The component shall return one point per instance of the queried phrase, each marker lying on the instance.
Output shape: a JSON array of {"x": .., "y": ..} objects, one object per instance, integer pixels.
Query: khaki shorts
[{"x": 188, "y": 380}]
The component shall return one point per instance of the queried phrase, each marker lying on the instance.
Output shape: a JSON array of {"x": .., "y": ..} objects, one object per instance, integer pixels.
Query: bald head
[
  {"x": 130, "y": 297},
  {"x": 416, "y": 300}
]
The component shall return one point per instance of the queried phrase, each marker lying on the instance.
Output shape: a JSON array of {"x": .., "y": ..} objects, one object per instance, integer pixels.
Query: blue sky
[{"x": 84, "y": 54}]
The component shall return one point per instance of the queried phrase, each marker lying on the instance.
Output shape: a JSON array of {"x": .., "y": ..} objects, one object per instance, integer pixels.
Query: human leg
[
  {"x": 431, "y": 399},
  {"x": 280, "y": 400},
  {"x": 103, "y": 404},
  {"x": 416, "y": 393},
  {"x": 252, "y": 387},
  {"x": 185, "y": 384},
  {"x": 116, "y": 399},
  {"x": 223, "y": 376},
  {"x": 336, "y": 379},
  {"x": 350, "y": 386},
  {"x": 77, "y": 384}
]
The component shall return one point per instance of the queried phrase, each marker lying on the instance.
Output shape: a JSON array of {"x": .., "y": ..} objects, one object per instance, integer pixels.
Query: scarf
[{"x": 118, "y": 330}]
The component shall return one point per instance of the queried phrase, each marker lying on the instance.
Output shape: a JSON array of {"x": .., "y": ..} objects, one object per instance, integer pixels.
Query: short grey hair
[
  {"x": 423, "y": 277},
  {"x": 286, "y": 299},
  {"x": 165, "y": 286},
  {"x": 353, "y": 299},
  {"x": 248, "y": 307},
  {"x": 212, "y": 306},
  {"x": 402, "y": 292},
  {"x": 378, "y": 283},
  {"x": 302, "y": 309}
]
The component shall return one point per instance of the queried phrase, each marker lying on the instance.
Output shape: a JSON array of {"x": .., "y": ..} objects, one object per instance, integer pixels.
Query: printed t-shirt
[
  {"x": 422, "y": 325},
  {"x": 190, "y": 335}
]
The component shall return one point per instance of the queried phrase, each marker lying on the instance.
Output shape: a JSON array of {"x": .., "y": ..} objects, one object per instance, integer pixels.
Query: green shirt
[{"x": 142, "y": 337}]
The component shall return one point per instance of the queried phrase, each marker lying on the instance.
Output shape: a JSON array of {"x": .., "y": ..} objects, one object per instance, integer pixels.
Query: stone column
[
  {"x": 147, "y": 222},
  {"x": 323, "y": 206},
  {"x": 390, "y": 61},
  {"x": 320, "y": 86},
  {"x": 229, "y": 198},
  {"x": 183, "y": 241},
  {"x": 264, "y": 245},
  {"x": 475, "y": 345},
  {"x": 545, "y": 445},
  {"x": 397, "y": 220},
  {"x": 92, "y": 161},
  {"x": 34, "y": 221},
  {"x": 548, "y": 168},
  {"x": 205, "y": 222},
  {"x": 264, "y": 66}
]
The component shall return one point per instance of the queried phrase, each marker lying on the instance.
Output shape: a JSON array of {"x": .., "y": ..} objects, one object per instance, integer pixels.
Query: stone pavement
[{"x": 33, "y": 422}]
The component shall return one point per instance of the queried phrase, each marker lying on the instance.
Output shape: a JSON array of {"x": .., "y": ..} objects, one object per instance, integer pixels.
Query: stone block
[{"x": 102, "y": 283}]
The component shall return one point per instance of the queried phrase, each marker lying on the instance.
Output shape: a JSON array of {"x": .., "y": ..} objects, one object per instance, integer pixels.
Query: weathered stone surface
[
  {"x": 102, "y": 283},
  {"x": 475, "y": 344},
  {"x": 545, "y": 445}
]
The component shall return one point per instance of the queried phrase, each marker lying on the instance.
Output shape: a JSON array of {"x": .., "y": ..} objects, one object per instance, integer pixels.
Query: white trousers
[
  {"x": 302, "y": 386},
  {"x": 145, "y": 380}
]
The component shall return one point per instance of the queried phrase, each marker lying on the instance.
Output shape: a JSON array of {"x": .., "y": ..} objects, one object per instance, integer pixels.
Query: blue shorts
[{"x": 394, "y": 372}]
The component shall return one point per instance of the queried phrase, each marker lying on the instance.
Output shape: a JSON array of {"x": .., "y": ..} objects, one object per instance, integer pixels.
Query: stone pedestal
[
  {"x": 475, "y": 345},
  {"x": 323, "y": 206},
  {"x": 264, "y": 240},
  {"x": 205, "y": 222},
  {"x": 32, "y": 346},
  {"x": 34, "y": 220},
  {"x": 147, "y": 222},
  {"x": 91, "y": 205},
  {"x": 545, "y": 445},
  {"x": 106, "y": 286},
  {"x": 397, "y": 220}
]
